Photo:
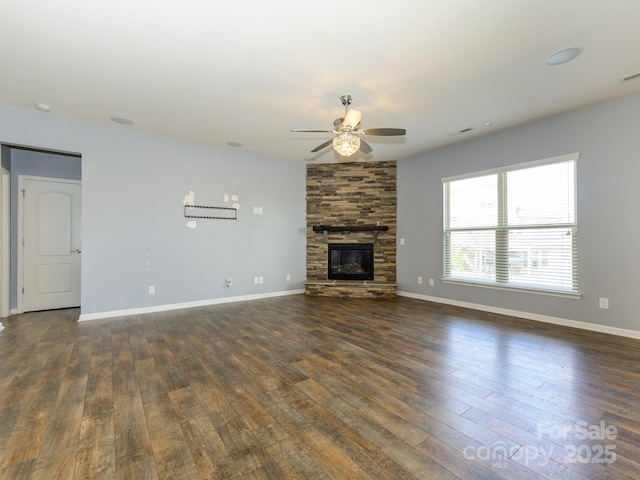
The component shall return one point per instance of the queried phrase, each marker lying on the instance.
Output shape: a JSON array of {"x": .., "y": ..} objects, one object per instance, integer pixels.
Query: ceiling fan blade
[
  {"x": 365, "y": 147},
  {"x": 299, "y": 130},
  {"x": 352, "y": 118},
  {"x": 321, "y": 146},
  {"x": 384, "y": 132}
]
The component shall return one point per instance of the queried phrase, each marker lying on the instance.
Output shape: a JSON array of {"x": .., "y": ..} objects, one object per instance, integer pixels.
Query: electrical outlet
[
  {"x": 431, "y": 282},
  {"x": 255, "y": 280},
  {"x": 228, "y": 281},
  {"x": 288, "y": 277},
  {"x": 152, "y": 289},
  {"x": 419, "y": 280},
  {"x": 604, "y": 302},
  {"x": 402, "y": 241},
  {"x": 261, "y": 280}
]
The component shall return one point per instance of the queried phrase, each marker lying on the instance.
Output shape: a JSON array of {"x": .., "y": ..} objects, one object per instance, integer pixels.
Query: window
[{"x": 514, "y": 227}]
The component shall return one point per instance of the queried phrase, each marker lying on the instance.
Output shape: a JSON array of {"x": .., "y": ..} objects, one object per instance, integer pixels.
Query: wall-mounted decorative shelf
[
  {"x": 216, "y": 213},
  {"x": 350, "y": 228}
]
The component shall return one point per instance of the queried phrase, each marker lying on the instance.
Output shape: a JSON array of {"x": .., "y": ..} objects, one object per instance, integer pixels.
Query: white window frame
[{"x": 502, "y": 228}]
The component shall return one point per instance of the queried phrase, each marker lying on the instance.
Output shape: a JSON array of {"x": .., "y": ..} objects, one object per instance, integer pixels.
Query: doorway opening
[{"x": 54, "y": 179}]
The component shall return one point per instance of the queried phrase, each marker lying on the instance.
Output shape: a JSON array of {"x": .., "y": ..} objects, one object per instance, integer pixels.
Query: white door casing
[
  {"x": 4, "y": 245},
  {"x": 48, "y": 243}
]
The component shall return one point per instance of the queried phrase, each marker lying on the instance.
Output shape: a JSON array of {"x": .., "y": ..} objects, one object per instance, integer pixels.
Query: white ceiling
[{"x": 251, "y": 70}]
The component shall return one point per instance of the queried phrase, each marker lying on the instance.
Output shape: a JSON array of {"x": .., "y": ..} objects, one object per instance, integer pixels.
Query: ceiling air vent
[
  {"x": 635, "y": 76},
  {"x": 460, "y": 132}
]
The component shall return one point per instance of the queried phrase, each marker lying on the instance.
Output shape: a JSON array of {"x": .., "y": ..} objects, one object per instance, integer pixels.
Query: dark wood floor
[{"x": 315, "y": 388}]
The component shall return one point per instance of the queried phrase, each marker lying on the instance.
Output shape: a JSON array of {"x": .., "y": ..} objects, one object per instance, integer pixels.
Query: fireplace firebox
[{"x": 350, "y": 261}]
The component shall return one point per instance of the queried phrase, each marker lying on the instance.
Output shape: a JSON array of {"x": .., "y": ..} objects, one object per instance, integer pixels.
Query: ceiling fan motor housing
[{"x": 346, "y": 100}]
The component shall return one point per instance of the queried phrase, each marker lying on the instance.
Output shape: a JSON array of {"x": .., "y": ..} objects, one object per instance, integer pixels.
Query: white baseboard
[
  {"x": 177, "y": 306},
  {"x": 594, "y": 327}
]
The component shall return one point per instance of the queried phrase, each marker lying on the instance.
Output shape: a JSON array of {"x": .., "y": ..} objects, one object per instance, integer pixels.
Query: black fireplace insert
[{"x": 350, "y": 261}]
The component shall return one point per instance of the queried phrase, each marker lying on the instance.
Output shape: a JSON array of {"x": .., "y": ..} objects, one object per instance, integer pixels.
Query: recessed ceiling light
[
  {"x": 43, "y": 107},
  {"x": 563, "y": 56},
  {"x": 122, "y": 121},
  {"x": 234, "y": 144}
]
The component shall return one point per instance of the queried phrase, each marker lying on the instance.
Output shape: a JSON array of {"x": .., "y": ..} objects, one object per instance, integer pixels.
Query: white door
[{"x": 50, "y": 244}]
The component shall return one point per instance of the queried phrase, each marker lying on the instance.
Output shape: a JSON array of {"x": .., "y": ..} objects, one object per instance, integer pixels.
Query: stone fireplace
[{"x": 351, "y": 205}]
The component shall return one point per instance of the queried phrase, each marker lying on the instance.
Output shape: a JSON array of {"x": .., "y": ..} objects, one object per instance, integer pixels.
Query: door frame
[
  {"x": 20, "y": 273},
  {"x": 5, "y": 258}
]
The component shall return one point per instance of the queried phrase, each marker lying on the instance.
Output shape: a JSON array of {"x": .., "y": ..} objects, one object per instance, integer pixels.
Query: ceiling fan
[{"x": 347, "y": 139}]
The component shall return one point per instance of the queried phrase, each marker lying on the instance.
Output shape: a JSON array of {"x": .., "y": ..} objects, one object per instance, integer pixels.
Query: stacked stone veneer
[{"x": 352, "y": 194}]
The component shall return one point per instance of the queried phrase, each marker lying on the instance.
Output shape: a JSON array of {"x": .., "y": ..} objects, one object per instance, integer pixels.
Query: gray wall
[
  {"x": 608, "y": 139},
  {"x": 133, "y": 186}
]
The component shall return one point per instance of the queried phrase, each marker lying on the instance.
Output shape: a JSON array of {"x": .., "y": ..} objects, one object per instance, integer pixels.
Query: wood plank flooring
[{"x": 315, "y": 388}]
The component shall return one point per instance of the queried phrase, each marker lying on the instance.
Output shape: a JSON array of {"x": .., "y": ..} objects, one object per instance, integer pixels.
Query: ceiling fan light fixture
[
  {"x": 346, "y": 143},
  {"x": 347, "y": 134}
]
